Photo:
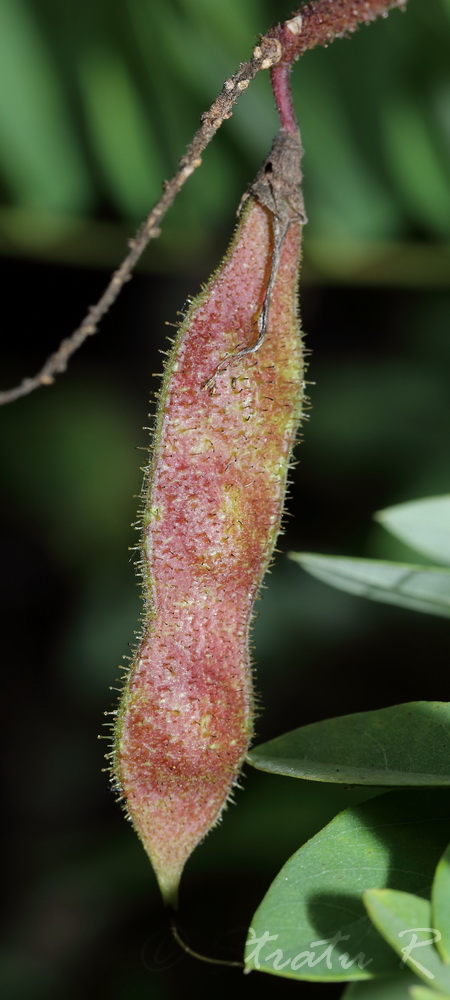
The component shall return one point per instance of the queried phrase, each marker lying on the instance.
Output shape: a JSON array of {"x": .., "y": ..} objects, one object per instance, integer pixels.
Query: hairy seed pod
[{"x": 225, "y": 427}]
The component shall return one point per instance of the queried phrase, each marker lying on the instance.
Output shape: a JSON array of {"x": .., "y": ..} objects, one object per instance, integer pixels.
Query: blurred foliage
[{"x": 98, "y": 101}]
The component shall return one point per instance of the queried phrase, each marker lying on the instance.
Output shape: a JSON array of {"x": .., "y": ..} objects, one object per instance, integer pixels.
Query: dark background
[{"x": 97, "y": 104}]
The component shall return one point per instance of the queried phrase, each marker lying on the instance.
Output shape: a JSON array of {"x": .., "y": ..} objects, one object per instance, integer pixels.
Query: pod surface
[{"x": 213, "y": 505}]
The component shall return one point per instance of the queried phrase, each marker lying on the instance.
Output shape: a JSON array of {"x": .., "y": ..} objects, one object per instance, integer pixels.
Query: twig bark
[
  {"x": 321, "y": 21},
  {"x": 318, "y": 23}
]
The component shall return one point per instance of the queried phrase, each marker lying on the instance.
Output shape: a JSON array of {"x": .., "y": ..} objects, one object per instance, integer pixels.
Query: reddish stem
[
  {"x": 321, "y": 21},
  {"x": 281, "y": 87}
]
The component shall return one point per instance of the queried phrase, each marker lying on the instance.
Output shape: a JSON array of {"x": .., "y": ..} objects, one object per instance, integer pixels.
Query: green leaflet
[
  {"x": 440, "y": 900},
  {"x": 401, "y": 745},
  {"x": 312, "y": 924},
  {"x": 391, "y": 988},
  {"x": 419, "y": 588},
  {"x": 406, "y": 922},
  {"x": 422, "y": 524}
]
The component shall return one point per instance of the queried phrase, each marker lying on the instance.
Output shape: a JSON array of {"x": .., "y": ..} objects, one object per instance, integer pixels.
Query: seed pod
[{"x": 225, "y": 428}]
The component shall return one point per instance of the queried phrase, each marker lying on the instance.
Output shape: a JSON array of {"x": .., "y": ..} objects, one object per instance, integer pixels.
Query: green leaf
[
  {"x": 391, "y": 988},
  {"x": 420, "y": 588},
  {"x": 402, "y": 745},
  {"x": 440, "y": 901},
  {"x": 422, "y": 524},
  {"x": 312, "y": 924},
  {"x": 406, "y": 923},
  {"x": 422, "y": 993}
]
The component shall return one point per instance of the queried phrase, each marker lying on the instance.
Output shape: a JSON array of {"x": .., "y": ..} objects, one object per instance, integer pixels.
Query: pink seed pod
[{"x": 225, "y": 427}]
